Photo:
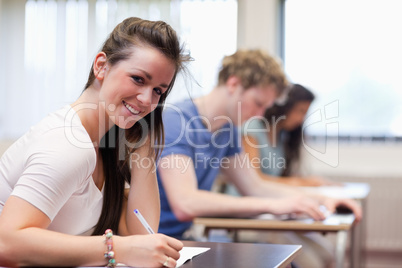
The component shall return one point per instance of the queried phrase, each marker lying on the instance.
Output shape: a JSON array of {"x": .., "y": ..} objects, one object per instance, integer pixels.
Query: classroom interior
[{"x": 259, "y": 23}]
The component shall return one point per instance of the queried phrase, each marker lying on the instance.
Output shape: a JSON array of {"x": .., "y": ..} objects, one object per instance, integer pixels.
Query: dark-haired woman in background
[{"x": 276, "y": 140}]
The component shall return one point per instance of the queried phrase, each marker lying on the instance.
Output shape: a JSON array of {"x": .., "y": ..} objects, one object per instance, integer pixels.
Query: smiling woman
[{"x": 52, "y": 189}]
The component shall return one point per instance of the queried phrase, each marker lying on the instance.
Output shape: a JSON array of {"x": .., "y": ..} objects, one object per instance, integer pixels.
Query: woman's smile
[{"x": 131, "y": 109}]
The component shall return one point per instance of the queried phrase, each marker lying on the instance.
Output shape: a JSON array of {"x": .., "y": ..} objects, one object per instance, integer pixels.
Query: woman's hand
[{"x": 152, "y": 250}]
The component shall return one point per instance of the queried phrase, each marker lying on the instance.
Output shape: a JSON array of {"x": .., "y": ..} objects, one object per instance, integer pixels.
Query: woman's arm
[
  {"x": 253, "y": 154},
  {"x": 25, "y": 241},
  {"x": 249, "y": 144},
  {"x": 143, "y": 193}
]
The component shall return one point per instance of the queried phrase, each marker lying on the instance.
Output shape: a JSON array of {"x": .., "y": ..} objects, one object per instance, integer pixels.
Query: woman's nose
[
  {"x": 145, "y": 97},
  {"x": 261, "y": 112}
]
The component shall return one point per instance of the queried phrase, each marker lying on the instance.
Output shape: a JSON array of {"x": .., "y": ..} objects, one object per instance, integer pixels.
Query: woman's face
[
  {"x": 295, "y": 117},
  {"x": 131, "y": 88}
]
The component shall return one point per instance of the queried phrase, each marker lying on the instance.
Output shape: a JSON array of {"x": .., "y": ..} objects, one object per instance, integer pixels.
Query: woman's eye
[
  {"x": 158, "y": 91},
  {"x": 259, "y": 104},
  {"x": 138, "y": 79}
]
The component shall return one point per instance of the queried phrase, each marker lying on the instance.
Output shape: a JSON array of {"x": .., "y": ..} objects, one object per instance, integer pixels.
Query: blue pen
[{"x": 143, "y": 221}]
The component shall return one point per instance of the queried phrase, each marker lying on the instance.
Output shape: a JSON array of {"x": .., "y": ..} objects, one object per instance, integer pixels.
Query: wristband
[{"x": 109, "y": 254}]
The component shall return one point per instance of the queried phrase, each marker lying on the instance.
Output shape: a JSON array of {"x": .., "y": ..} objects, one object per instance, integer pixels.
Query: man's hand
[{"x": 332, "y": 203}]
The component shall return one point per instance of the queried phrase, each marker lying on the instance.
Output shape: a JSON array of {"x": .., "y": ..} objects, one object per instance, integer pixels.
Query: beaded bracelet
[{"x": 109, "y": 254}]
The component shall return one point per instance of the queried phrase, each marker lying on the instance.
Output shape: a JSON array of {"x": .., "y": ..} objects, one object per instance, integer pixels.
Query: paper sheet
[{"x": 187, "y": 253}]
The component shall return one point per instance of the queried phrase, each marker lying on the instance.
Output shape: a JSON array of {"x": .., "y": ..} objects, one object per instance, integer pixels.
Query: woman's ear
[
  {"x": 100, "y": 65},
  {"x": 233, "y": 84}
]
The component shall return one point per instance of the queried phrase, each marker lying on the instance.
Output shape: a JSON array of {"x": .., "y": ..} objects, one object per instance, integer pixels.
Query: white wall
[
  {"x": 258, "y": 25},
  {"x": 11, "y": 21},
  {"x": 360, "y": 160}
]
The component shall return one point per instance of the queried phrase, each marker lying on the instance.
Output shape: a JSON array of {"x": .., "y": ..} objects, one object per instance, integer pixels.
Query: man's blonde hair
[{"x": 253, "y": 68}]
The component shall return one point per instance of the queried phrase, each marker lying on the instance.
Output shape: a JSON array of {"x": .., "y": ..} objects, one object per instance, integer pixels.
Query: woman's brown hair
[
  {"x": 113, "y": 147},
  {"x": 293, "y": 138}
]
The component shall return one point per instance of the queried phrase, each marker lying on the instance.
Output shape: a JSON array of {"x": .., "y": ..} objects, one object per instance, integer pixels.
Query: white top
[{"x": 51, "y": 167}]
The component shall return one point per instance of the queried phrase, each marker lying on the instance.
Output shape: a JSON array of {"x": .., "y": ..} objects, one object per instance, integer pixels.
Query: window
[
  {"x": 209, "y": 38},
  {"x": 48, "y": 47},
  {"x": 349, "y": 54}
]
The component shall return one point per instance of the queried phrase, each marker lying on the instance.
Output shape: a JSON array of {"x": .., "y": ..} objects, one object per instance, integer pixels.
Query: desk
[
  {"x": 352, "y": 190},
  {"x": 340, "y": 224},
  {"x": 240, "y": 255},
  {"x": 358, "y": 191}
]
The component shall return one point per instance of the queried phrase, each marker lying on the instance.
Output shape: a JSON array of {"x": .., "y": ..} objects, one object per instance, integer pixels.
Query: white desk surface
[{"x": 352, "y": 190}]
